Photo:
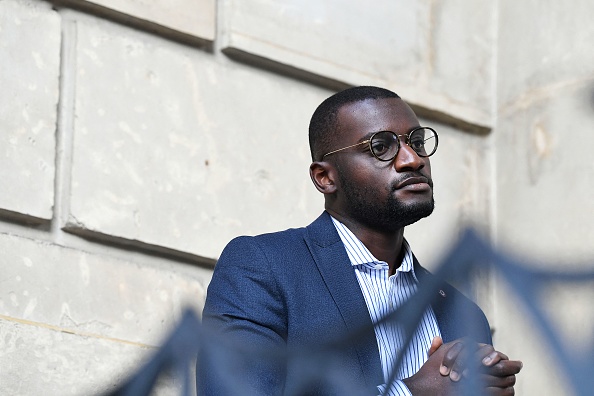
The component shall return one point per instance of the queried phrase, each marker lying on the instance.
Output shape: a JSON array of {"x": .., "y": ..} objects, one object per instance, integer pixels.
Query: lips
[{"x": 412, "y": 181}]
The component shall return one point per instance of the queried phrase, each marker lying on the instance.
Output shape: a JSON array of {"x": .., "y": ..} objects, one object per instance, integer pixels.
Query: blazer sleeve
[{"x": 245, "y": 325}]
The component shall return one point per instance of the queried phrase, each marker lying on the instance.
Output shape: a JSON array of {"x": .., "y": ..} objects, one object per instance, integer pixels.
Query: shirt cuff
[{"x": 397, "y": 389}]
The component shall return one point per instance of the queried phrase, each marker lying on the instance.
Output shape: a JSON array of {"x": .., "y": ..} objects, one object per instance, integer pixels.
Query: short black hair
[{"x": 323, "y": 121}]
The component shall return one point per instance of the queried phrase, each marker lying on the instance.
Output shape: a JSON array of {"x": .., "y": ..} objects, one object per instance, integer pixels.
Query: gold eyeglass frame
[{"x": 407, "y": 141}]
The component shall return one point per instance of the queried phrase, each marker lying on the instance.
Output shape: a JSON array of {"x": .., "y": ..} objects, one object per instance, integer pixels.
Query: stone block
[
  {"x": 30, "y": 63},
  {"x": 191, "y": 17},
  {"x": 459, "y": 59},
  {"x": 94, "y": 294},
  {"x": 438, "y": 55},
  {"x": 36, "y": 360},
  {"x": 181, "y": 151},
  {"x": 545, "y": 178},
  {"x": 543, "y": 47}
]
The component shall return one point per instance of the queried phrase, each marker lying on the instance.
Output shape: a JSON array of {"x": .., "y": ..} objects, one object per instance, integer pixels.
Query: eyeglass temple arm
[{"x": 347, "y": 147}]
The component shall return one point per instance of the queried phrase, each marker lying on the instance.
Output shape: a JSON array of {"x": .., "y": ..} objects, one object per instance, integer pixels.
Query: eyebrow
[{"x": 370, "y": 134}]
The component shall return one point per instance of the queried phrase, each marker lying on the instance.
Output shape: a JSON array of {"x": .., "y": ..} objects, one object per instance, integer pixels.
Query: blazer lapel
[
  {"x": 438, "y": 303},
  {"x": 456, "y": 315},
  {"x": 333, "y": 263}
]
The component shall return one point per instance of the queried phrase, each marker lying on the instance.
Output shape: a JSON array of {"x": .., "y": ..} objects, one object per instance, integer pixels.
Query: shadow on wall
[{"x": 471, "y": 252}]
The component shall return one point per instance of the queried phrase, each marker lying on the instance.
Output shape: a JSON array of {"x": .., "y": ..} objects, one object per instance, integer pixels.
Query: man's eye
[
  {"x": 417, "y": 144},
  {"x": 380, "y": 147}
]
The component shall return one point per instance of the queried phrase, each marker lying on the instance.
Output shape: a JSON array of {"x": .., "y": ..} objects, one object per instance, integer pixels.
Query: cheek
[{"x": 358, "y": 169}]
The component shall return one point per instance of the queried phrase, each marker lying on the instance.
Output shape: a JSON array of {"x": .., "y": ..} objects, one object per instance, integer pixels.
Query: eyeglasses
[{"x": 384, "y": 145}]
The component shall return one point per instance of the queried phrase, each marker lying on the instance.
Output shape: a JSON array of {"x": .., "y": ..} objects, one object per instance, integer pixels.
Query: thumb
[{"x": 435, "y": 344}]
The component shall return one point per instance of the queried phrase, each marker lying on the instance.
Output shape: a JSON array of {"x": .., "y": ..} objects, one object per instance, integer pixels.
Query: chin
[{"x": 406, "y": 215}]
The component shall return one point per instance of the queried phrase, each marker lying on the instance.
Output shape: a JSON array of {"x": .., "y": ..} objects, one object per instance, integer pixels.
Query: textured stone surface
[
  {"x": 93, "y": 294},
  {"x": 518, "y": 336},
  {"x": 182, "y": 152},
  {"x": 426, "y": 51},
  {"x": 546, "y": 178},
  {"x": 542, "y": 50},
  {"x": 567, "y": 308},
  {"x": 545, "y": 210},
  {"x": 30, "y": 63},
  {"x": 545, "y": 170},
  {"x": 459, "y": 61},
  {"x": 37, "y": 360},
  {"x": 194, "y": 17}
]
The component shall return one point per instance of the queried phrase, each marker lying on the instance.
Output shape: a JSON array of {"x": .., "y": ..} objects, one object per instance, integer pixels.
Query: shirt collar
[{"x": 360, "y": 255}]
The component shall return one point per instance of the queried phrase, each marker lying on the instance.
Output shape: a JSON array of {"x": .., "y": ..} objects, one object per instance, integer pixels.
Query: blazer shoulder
[
  {"x": 290, "y": 241},
  {"x": 253, "y": 249}
]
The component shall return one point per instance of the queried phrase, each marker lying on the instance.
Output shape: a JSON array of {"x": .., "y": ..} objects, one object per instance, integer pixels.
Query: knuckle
[
  {"x": 458, "y": 345},
  {"x": 486, "y": 350},
  {"x": 453, "y": 352}
]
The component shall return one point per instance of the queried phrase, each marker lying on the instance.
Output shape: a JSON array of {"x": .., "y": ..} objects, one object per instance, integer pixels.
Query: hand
[
  {"x": 496, "y": 372},
  {"x": 455, "y": 356},
  {"x": 428, "y": 381}
]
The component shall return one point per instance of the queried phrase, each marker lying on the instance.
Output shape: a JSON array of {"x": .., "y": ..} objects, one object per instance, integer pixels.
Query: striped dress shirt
[{"x": 384, "y": 293}]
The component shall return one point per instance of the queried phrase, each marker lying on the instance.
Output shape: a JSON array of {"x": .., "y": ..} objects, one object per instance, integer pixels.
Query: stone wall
[
  {"x": 137, "y": 137},
  {"x": 545, "y": 174}
]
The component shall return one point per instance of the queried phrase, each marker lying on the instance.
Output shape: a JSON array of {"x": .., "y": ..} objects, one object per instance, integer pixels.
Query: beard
[{"x": 364, "y": 206}]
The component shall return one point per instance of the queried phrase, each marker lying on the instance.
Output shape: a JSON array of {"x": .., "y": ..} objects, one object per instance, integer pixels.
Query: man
[{"x": 312, "y": 287}]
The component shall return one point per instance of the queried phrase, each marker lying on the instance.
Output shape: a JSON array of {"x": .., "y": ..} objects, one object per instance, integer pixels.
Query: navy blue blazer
[{"x": 297, "y": 289}]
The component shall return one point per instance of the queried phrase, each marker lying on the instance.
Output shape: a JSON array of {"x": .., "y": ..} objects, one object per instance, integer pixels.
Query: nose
[{"x": 408, "y": 160}]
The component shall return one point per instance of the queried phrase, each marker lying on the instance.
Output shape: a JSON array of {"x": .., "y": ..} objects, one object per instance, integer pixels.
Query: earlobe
[{"x": 322, "y": 176}]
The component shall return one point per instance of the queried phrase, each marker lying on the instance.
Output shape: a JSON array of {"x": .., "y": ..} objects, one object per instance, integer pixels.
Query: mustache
[{"x": 409, "y": 175}]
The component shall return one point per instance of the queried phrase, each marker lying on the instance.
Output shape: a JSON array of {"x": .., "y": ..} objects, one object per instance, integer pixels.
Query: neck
[{"x": 384, "y": 245}]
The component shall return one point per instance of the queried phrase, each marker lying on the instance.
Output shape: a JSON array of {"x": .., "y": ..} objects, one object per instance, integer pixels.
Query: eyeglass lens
[{"x": 385, "y": 144}]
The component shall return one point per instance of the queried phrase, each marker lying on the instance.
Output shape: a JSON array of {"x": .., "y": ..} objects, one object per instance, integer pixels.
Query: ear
[{"x": 323, "y": 176}]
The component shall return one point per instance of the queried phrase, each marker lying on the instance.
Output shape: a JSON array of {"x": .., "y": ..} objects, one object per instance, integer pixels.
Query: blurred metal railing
[{"x": 471, "y": 252}]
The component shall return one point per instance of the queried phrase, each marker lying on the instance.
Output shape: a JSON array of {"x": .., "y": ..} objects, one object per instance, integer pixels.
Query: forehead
[{"x": 359, "y": 119}]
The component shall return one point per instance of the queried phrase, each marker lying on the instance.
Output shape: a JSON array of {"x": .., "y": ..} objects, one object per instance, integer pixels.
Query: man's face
[{"x": 381, "y": 195}]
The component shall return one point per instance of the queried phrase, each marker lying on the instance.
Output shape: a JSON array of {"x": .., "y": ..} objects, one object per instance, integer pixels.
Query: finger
[
  {"x": 484, "y": 351},
  {"x": 504, "y": 368},
  {"x": 488, "y": 356},
  {"x": 485, "y": 356},
  {"x": 435, "y": 344},
  {"x": 488, "y": 348},
  {"x": 500, "y": 392},
  {"x": 450, "y": 357},
  {"x": 497, "y": 382},
  {"x": 462, "y": 364}
]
